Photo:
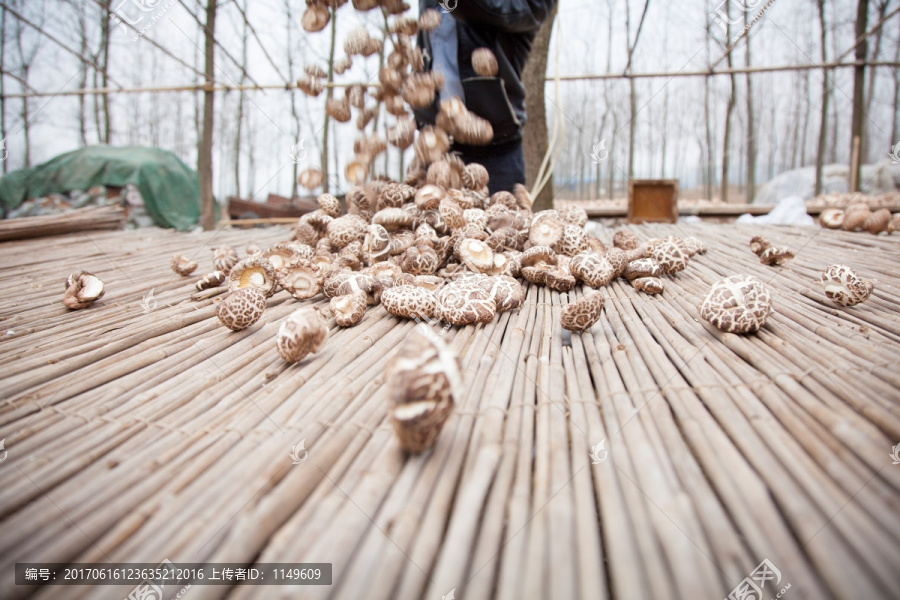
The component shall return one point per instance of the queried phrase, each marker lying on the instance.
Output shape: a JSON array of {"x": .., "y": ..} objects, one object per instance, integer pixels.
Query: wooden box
[{"x": 652, "y": 200}]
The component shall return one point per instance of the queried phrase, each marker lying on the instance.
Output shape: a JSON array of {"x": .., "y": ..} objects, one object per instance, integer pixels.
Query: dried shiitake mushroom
[
  {"x": 315, "y": 17},
  {"x": 758, "y": 244},
  {"x": 775, "y": 255},
  {"x": 82, "y": 289},
  {"x": 182, "y": 266},
  {"x": 845, "y": 286},
  {"x": 832, "y": 218},
  {"x": 338, "y": 109},
  {"x": 211, "y": 280},
  {"x": 225, "y": 257},
  {"x": 431, "y": 144},
  {"x": 737, "y": 304},
  {"x": 423, "y": 380},
  {"x": 349, "y": 309},
  {"x": 484, "y": 62},
  {"x": 670, "y": 255},
  {"x": 626, "y": 240},
  {"x": 583, "y": 313},
  {"x": 462, "y": 304},
  {"x": 592, "y": 269},
  {"x": 301, "y": 278},
  {"x": 429, "y": 20},
  {"x": 649, "y": 285},
  {"x": 255, "y": 273},
  {"x": 241, "y": 308},
  {"x": 878, "y": 221},
  {"x": 302, "y": 333},
  {"x": 466, "y": 127},
  {"x": 409, "y": 301},
  {"x": 403, "y": 133}
]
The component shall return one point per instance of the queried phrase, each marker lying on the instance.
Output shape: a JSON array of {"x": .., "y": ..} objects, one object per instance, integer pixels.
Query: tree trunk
[
  {"x": 296, "y": 118},
  {"x": 534, "y": 134},
  {"x": 895, "y": 125},
  {"x": 729, "y": 110},
  {"x": 204, "y": 152},
  {"x": 329, "y": 92},
  {"x": 708, "y": 167},
  {"x": 2, "y": 86},
  {"x": 104, "y": 66},
  {"x": 751, "y": 128},
  {"x": 240, "y": 109},
  {"x": 823, "y": 122},
  {"x": 859, "y": 81},
  {"x": 870, "y": 94}
]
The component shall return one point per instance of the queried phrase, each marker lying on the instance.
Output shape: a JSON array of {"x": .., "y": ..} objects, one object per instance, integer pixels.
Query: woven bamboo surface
[{"x": 140, "y": 430}]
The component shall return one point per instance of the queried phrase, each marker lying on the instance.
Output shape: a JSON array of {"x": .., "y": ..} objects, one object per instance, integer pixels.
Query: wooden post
[
  {"x": 859, "y": 78},
  {"x": 204, "y": 154},
  {"x": 854, "y": 164}
]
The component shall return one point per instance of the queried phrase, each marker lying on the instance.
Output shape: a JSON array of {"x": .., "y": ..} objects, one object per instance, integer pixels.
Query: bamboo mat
[{"x": 138, "y": 435}]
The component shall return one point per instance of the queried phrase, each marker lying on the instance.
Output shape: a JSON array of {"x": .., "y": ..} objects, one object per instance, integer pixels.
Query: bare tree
[
  {"x": 240, "y": 106},
  {"x": 630, "y": 47},
  {"x": 751, "y": 126},
  {"x": 103, "y": 58},
  {"x": 534, "y": 134},
  {"x": 205, "y": 149},
  {"x": 826, "y": 92},
  {"x": 27, "y": 56},
  {"x": 295, "y": 117},
  {"x": 895, "y": 122},
  {"x": 859, "y": 82},
  {"x": 2, "y": 82},
  {"x": 882, "y": 7},
  {"x": 729, "y": 109},
  {"x": 329, "y": 92}
]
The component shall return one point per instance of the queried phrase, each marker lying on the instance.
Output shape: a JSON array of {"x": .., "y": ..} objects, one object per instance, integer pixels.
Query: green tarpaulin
[{"x": 171, "y": 189}]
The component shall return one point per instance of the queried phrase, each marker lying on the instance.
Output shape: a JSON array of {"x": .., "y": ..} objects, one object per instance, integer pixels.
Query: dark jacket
[{"x": 507, "y": 28}]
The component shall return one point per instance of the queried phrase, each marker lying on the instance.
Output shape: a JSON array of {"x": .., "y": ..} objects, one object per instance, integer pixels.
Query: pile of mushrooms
[{"x": 859, "y": 217}]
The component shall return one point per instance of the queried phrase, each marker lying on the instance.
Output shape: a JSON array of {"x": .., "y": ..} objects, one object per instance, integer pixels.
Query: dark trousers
[{"x": 505, "y": 164}]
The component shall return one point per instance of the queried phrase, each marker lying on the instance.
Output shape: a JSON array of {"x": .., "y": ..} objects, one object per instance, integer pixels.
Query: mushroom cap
[
  {"x": 506, "y": 292},
  {"x": 419, "y": 260},
  {"x": 283, "y": 253},
  {"x": 377, "y": 243},
  {"x": 431, "y": 144},
  {"x": 855, "y": 217},
  {"x": 225, "y": 257},
  {"x": 583, "y": 313},
  {"x": 361, "y": 282},
  {"x": 342, "y": 64},
  {"x": 775, "y": 255},
  {"x": 302, "y": 333},
  {"x": 182, "y": 266},
  {"x": 393, "y": 219},
  {"x": 694, "y": 246},
  {"x": 670, "y": 256},
  {"x": 758, "y": 244},
  {"x": 349, "y": 309},
  {"x": 459, "y": 303},
  {"x": 475, "y": 176},
  {"x": 546, "y": 231},
  {"x": 356, "y": 171},
  {"x": 832, "y": 218},
  {"x": 573, "y": 241},
  {"x": 390, "y": 196},
  {"x": 537, "y": 255},
  {"x": 877, "y": 221},
  {"x": 476, "y": 255},
  {"x": 844, "y": 286},
  {"x": 403, "y": 133},
  {"x": 737, "y": 304},
  {"x": 595, "y": 245},
  {"x": 315, "y": 17},
  {"x": 409, "y": 301},
  {"x": 211, "y": 280},
  {"x": 592, "y": 269},
  {"x": 301, "y": 278},
  {"x": 241, "y": 308},
  {"x": 626, "y": 240},
  {"x": 329, "y": 205},
  {"x": 255, "y": 272},
  {"x": 82, "y": 289},
  {"x": 484, "y": 62},
  {"x": 424, "y": 380},
  {"x": 400, "y": 241},
  {"x": 343, "y": 230},
  {"x": 648, "y": 285},
  {"x": 429, "y": 197},
  {"x": 452, "y": 213},
  {"x": 310, "y": 85},
  {"x": 573, "y": 215},
  {"x": 642, "y": 268},
  {"x": 339, "y": 110},
  {"x": 429, "y": 20},
  {"x": 304, "y": 233}
]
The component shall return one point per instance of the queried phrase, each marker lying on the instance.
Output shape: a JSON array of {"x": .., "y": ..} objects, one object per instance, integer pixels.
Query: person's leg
[{"x": 506, "y": 165}]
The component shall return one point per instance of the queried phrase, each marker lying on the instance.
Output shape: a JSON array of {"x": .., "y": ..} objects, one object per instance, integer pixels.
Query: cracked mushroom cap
[
  {"x": 484, "y": 62},
  {"x": 393, "y": 219},
  {"x": 377, "y": 243},
  {"x": 301, "y": 278},
  {"x": 348, "y": 310},
  {"x": 403, "y": 133},
  {"x": 182, "y": 266},
  {"x": 775, "y": 255},
  {"x": 431, "y": 144},
  {"x": 304, "y": 233},
  {"x": 339, "y": 110},
  {"x": 476, "y": 255},
  {"x": 400, "y": 241},
  {"x": 409, "y": 301},
  {"x": 592, "y": 269},
  {"x": 545, "y": 231},
  {"x": 694, "y": 246},
  {"x": 844, "y": 286},
  {"x": 361, "y": 282},
  {"x": 419, "y": 90},
  {"x": 619, "y": 259},
  {"x": 626, "y": 240},
  {"x": 832, "y": 218},
  {"x": 241, "y": 308},
  {"x": 211, "y": 280},
  {"x": 424, "y": 380},
  {"x": 642, "y": 268},
  {"x": 737, "y": 304},
  {"x": 670, "y": 255},
  {"x": 465, "y": 304},
  {"x": 356, "y": 41},
  {"x": 878, "y": 221},
  {"x": 329, "y": 205},
  {"x": 465, "y": 126},
  {"x": 538, "y": 255},
  {"x": 583, "y": 313},
  {"x": 419, "y": 260},
  {"x": 429, "y": 197},
  {"x": 429, "y": 20},
  {"x": 475, "y": 176},
  {"x": 648, "y": 285},
  {"x": 343, "y": 230},
  {"x": 573, "y": 215},
  {"x": 390, "y": 196},
  {"x": 82, "y": 289},
  {"x": 256, "y": 272},
  {"x": 506, "y": 292},
  {"x": 302, "y": 333},
  {"x": 224, "y": 258},
  {"x": 452, "y": 214},
  {"x": 283, "y": 253},
  {"x": 573, "y": 241},
  {"x": 315, "y": 17},
  {"x": 758, "y": 244},
  {"x": 444, "y": 173}
]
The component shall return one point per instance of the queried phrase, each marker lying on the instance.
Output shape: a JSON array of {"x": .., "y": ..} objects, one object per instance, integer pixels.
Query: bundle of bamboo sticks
[{"x": 91, "y": 218}]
